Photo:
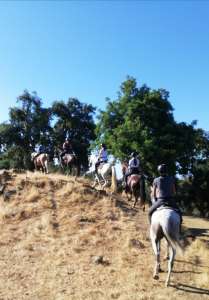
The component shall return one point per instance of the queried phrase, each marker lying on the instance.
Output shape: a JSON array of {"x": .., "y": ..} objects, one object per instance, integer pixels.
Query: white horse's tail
[
  {"x": 172, "y": 237},
  {"x": 114, "y": 180}
]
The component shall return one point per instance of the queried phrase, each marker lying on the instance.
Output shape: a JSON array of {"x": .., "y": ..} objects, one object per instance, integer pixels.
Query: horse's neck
[{"x": 124, "y": 168}]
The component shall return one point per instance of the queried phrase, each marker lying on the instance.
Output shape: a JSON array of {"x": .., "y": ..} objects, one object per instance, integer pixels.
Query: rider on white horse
[
  {"x": 41, "y": 149},
  {"x": 133, "y": 167},
  {"x": 163, "y": 192},
  {"x": 102, "y": 157}
]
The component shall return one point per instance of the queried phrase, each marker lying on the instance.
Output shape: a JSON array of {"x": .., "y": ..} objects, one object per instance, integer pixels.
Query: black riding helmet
[
  {"x": 103, "y": 145},
  {"x": 133, "y": 154},
  {"x": 162, "y": 169}
]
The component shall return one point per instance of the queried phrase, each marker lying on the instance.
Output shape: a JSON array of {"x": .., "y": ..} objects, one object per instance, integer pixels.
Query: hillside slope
[{"x": 60, "y": 239}]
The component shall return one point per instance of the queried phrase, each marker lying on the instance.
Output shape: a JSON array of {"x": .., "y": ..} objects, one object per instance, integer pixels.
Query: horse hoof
[
  {"x": 166, "y": 257},
  {"x": 156, "y": 277}
]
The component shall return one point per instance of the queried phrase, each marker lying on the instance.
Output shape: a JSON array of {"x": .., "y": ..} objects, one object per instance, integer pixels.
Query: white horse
[
  {"x": 106, "y": 172},
  {"x": 40, "y": 161},
  {"x": 165, "y": 222}
]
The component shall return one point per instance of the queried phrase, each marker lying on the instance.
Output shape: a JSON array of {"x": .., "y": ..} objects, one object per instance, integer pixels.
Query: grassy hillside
[{"x": 60, "y": 239}]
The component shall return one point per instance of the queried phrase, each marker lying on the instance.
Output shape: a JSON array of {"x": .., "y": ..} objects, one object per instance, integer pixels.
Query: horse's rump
[
  {"x": 68, "y": 158},
  {"x": 168, "y": 221},
  {"x": 134, "y": 180},
  {"x": 41, "y": 158}
]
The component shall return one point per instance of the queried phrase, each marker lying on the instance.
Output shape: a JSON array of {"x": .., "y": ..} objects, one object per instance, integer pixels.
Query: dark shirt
[
  {"x": 164, "y": 185},
  {"x": 41, "y": 149}
]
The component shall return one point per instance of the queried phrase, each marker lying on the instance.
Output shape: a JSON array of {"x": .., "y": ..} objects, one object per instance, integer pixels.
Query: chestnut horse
[
  {"x": 136, "y": 186},
  {"x": 40, "y": 161}
]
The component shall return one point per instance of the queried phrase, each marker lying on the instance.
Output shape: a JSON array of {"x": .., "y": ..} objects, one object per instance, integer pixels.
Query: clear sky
[{"x": 85, "y": 49}]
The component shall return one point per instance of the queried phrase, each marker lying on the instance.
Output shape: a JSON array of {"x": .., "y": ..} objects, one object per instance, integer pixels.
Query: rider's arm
[
  {"x": 155, "y": 190},
  {"x": 100, "y": 154}
]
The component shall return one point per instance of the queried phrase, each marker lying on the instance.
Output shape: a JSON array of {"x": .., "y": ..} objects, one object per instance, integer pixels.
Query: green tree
[
  {"x": 29, "y": 125},
  {"x": 142, "y": 120}
]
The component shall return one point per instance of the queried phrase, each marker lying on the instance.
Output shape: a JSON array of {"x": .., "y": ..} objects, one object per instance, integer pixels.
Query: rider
[
  {"x": 133, "y": 167},
  {"x": 102, "y": 157},
  {"x": 67, "y": 148},
  {"x": 163, "y": 192},
  {"x": 41, "y": 149}
]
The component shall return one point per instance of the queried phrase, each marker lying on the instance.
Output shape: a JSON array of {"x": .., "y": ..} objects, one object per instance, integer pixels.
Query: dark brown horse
[
  {"x": 70, "y": 162},
  {"x": 136, "y": 186}
]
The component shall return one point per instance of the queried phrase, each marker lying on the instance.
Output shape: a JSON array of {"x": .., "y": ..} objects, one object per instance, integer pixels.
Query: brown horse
[
  {"x": 136, "y": 186},
  {"x": 40, "y": 161},
  {"x": 70, "y": 162}
]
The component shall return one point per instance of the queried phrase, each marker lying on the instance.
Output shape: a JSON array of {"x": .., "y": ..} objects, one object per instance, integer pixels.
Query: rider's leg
[
  {"x": 96, "y": 166},
  {"x": 154, "y": 206},
  {"x": 126, "y": 180},
  {"x": 62, "y": 154}
]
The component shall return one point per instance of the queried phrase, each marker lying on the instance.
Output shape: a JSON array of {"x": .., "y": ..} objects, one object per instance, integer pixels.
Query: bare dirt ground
[{"x": 62, "y": 240}]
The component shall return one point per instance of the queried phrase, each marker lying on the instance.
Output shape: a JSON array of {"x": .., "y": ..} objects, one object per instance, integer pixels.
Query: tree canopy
[{"x": 141, "y": 119}]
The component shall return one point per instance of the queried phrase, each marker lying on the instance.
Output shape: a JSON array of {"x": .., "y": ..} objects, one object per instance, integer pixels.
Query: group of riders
[
  {"x": 66, "y": 149},
  {"x": 164, "y": 188}
]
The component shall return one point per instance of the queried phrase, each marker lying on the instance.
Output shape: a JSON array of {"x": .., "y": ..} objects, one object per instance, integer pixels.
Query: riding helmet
[
  {"x": 162, "y": 169},
  {"x": 133, "y": 154}
]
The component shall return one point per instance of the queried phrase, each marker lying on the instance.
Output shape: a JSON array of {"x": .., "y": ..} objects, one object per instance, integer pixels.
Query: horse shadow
[
  {"x": 196, "y": 232},
  {"x": 125, "y": 207},
  {"x": 190, "y": 289}
]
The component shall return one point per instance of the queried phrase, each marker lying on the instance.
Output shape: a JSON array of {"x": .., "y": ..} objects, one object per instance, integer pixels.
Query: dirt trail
[{"x": 60, "y": 239}]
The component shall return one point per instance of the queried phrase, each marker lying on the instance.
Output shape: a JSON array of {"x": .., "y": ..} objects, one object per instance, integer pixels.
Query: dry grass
[{"x": 52, "y": 229}]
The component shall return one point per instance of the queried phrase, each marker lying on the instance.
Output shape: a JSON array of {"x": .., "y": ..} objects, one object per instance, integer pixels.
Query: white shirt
[{"x": 133, "y": 163}]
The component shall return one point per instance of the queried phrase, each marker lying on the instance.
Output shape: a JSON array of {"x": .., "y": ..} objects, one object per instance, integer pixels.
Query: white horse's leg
[
  {"x": 96, "y": 181},
  {"x": 46, "y": 167},
  {"x": 166, "y": 257},
  {"x": 36, "y": 166},
  {"x": 156, "y": 249},
  {"x": 105, "y": 182},
  {"x": 170, "y": 264}
]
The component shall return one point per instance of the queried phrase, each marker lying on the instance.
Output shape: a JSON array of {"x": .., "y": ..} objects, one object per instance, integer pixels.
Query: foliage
[{"x": 142, "y": 120}]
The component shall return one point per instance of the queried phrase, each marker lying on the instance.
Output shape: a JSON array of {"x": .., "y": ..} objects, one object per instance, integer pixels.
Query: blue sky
[{"x": 85, "y": 49}]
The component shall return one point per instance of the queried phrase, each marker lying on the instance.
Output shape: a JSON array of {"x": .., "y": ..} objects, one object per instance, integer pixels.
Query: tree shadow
[{"x": 191, "y": 289}]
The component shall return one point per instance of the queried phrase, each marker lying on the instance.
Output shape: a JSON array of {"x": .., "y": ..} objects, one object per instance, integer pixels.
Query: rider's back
[{"x": 164, "y": 185}]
